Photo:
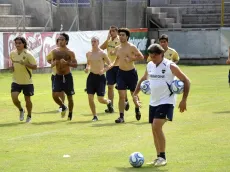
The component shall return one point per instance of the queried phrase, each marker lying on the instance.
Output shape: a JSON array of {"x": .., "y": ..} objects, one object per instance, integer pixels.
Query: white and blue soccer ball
[
  {"x": 145, "y": 87},
  {"x": 177, "y": 86},
  {"x": 136, "y": 159}
]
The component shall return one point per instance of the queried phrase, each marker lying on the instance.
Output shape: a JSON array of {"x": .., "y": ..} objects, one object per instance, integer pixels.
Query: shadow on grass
[
  {"x": 113, "y": 124},
  {"x": 48, "y": 122},
  {"x": 143, "y": 168},
  {"x": 99, "y": 114},
  {"x": 220, "y": 112},
  {"x": 47, "y": 112},
  {"x": 11, "y": 124},
  {"x": 80, "y": 122}
]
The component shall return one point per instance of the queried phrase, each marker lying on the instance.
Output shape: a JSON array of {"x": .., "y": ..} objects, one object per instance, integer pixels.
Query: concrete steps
[
  {"x": 5, "y": 9},
  {"x": 27, "y": 29},
  {"x": 14, "y": 20}
]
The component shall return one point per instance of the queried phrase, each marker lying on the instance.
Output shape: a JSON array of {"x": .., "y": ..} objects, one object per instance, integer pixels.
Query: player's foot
[
  {"x": 138, "y": 115},
  {"x": 70, "y": 116},
  {"x": 85, "y": 90},
  {"x": 63, "y": 112},
  {"x": 110, "y": 108},
  {"x": 119, "y": 120},
  {"x": 153, "y": 162},
  {"x": 28, "y": 119},
  {"x": 127, "y": 105},
  {"x": 160, "y": 162},
  {"x": 21, "y": 115},
  {"x": 95, "y": 118},
  {"x": 60, "y": 109}
]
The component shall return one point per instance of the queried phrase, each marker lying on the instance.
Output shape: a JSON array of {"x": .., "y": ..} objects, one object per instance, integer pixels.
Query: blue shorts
[
  {"x": 164, "y": 111},
  {"x": 64, "y": 83},
  {"x": 127, "y": 80},
  {"x": 28, "y": 90},
  {"x": 96, "y": 84},
  {"x": 111, "y": 75}
]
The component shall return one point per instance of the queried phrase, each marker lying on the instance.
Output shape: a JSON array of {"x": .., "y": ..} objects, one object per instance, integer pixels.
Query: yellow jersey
[
  {"x": 50, "y": 57},
  {"x": 170, "y": 54},
  {"x": 111, "y": 47},
  {"x": 22, "y": 75}
]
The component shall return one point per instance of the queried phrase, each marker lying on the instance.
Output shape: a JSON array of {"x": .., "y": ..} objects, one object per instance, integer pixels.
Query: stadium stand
[{"x": 189, "y": 14}]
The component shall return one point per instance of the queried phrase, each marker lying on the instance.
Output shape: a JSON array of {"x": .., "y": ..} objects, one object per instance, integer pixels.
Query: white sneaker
[
  {"x": 63, "y": 112},
  {"x": 160, "y": 162},
  {"x": 21, "y": 115},
  {"x": 153, "y": 162},
  {"x": 28, "y": 119}
]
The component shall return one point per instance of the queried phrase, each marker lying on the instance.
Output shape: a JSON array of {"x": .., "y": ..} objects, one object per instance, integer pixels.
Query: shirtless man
[
  {"x": 127, "y": 77},
  {"x": 96, "y": 80},
  {"x": 63, "y": 59}
]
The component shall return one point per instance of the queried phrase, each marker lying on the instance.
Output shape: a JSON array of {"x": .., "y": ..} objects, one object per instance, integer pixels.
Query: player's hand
[
  {"x": 109, "y": 36},
  {"x": 182, "y": 106},
  {"x": 22, "y": 62},
  {"x": 63, "y": 62},
  {"x": 112, "y": 53},
  {"x": 228, "y": 61},
  {"x": 136, "y": 101},
  {"x": 11, "y": 68},
  {"x": 86, "y": 70}
]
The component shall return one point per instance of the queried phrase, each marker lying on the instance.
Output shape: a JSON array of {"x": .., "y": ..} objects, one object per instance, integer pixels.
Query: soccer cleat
[
  {"x": 63, "y": 112},
  {"x": 110, "y": 107},
  {"x": 138, "y": 115},
  {"x": 28, "y": 119},
  {"x": 119, "y": 120},
  {"x": 21, "y": 115},
  {"x": 153, "y": 162},
  {"x": 95, "y": 118},
  {"x": 160, "y": 162},
  {"x": 127, "y": 105},
  {"x": 70, "y": 117}
]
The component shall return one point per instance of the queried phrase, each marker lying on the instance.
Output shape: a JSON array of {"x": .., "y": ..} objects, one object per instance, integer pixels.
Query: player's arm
[
  {"x": 175, "y": 57},
  {"x": 179, "y": 74},
  {"x": 137, "y": 54},
  {"x": 137, "y": 90},
  {"x": 73, "y": 61},
  {"x": 107, "y": 61},
  {"x": 116, "y": 61},
  {"x": 228, "y": 60},
  {"x": 32, "y": 62},
  {"x": 105, "y": 44},
  {"x": 87, "y": 68},
  {"x": 50, "y": 59}
]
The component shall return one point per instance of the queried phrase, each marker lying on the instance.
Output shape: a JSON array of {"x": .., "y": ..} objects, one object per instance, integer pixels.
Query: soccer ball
[
  {"x": 177, "y": 87},
  {"x": 145, "y": 87},
  {"x": 136, "y": 159}
]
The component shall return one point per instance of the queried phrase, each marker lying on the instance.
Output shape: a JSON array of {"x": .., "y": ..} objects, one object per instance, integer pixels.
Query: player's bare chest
[{"x": 58, "y": 55}]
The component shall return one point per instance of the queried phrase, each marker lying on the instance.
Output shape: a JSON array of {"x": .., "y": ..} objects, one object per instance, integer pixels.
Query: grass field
[{"x": 197, "y": 140}]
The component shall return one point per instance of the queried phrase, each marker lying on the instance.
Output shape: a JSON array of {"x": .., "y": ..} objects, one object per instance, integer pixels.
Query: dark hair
[
  {"x": 126, "y": 30},
  {"x": 114, "y": 27},
  {"x": 66, "y": 37},
  {"x": 20, "y": 38},
  {"x": 165, "y": 37},
  {"x": 155, "y": 49}
]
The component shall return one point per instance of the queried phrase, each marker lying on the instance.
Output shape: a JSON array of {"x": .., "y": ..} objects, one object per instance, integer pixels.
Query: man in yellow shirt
[
  {"x": 111, "y": 75},
  {"x": 49, "y": 59},
  {"x": 170, "y": 53},
  {"x": 23, "y": 63}
]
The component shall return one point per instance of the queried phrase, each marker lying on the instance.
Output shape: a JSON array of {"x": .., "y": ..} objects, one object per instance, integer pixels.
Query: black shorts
[
  {"x": 52, "y": 80},
  {"x": 96, "y": 84},
  {"x": 28, "y": 90},
  {"x": 127, "y": 80},
  {"x": 164, "y": 111},
  {"x": 111, "y": 75},
  {"x": 64, "y": 83}
]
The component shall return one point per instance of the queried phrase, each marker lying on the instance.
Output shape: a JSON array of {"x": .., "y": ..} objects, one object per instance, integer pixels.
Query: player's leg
[
  {"x": 126, "y": 102},
  {"x": 15, "y": 91},
  {"x": 28, "y": 91},
  {"x": 70, "y": 106},
  {"x": 92, "y": 106}
]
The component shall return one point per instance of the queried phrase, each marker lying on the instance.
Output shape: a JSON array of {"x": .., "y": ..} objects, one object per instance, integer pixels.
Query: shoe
[
  {"x": 63, "y": 112},
  {"x": 110, "y": 108},
  {"x": 95, "y": 118},
  {"x": 153, "y": 162},
  {"x": 28, "y": 119},
  {"x": 127, "y": 105},
  {"x": 70, "y": 117},
  {"x": 21, "y": 115},
  {"x": 160, "y": 162},
  {"x": 138, "y": 115},
  {"x": 60, "y": 109},
  {"x": 119, "y": 120}
]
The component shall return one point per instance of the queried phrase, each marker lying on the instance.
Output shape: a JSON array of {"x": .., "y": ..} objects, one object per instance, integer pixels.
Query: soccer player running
[
  {"x": 127, "y": 76},
  {"x": 161, "y": 72},
  {"x": 63, "y": 59},
  {"x": 170, "y": 53},
  {"x": 23, "y": 63},
  {"x": 96, "y": 80},
  {"x": 111, "y": 75},
  {"x": 49, "y": 59}
]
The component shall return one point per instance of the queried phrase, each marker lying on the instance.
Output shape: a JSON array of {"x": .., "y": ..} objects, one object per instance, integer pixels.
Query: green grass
[{"x": 197, "y": 140}]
